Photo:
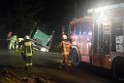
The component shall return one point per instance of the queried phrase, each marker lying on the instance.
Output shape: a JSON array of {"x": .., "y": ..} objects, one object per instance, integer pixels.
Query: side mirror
[{"x": 88, "y": 40}]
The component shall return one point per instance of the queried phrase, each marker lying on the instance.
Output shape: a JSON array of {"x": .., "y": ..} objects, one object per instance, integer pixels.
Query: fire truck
[{"x": 98, "y": 39}]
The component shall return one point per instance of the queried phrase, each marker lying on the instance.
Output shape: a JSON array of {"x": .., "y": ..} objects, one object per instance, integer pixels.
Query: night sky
[{"x": 19, "y": 16}]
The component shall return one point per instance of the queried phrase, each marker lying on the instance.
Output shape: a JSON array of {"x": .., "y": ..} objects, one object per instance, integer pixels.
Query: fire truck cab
[{"x": 98, "y": 39}]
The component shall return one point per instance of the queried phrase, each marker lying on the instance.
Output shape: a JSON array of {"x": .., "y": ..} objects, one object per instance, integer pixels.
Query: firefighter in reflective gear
[
  {"x": 13, "y": 39},
  {"x": 27, "y": 51},
  {"x": 65, "y": 46}
]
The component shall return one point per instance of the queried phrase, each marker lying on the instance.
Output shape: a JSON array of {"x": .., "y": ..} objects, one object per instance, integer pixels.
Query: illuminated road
[
  {"x": 47, "y": 64},
  {"x": 84, "y": 73}
]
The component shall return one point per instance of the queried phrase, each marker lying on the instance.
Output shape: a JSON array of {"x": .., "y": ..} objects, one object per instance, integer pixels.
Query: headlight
[{"x": 44, "y": 50}]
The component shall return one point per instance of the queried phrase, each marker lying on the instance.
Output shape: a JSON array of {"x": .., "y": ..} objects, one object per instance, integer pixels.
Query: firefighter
[
  {"x": 20, "y": 40},
  {"x": 27, "y": 51},
  {"x": 65, "y": 46}
]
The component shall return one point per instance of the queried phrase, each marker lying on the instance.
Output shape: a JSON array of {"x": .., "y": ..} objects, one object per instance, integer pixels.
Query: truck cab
[{"x": 41, "y": 41}]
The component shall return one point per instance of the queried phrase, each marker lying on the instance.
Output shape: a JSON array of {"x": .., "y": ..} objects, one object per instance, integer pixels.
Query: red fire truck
[{"x": 98, "y": 39}]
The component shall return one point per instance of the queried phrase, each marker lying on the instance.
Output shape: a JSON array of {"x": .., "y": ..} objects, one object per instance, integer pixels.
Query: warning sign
[{"x": 119, "y": 44}]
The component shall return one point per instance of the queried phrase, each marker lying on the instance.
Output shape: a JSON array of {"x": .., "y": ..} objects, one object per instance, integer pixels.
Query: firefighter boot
[
  {"x": 26, "y": 67},
  {"x": 30, "y": 67},
  {"x": 69, "y": 66},
  {"x": 61, "y": 66}
]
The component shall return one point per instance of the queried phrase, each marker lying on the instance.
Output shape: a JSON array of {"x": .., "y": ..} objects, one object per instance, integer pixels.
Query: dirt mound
[{"x": 9, "y": 76}]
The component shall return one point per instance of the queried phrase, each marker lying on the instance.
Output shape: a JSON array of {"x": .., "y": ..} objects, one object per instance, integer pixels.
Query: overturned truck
[{"x": 41, "y": 41}]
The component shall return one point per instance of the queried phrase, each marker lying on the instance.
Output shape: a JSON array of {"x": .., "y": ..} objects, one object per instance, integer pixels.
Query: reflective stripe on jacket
[{"x": 65, "y": 46}]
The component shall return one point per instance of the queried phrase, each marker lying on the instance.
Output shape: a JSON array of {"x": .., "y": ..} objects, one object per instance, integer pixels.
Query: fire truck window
[
  {"x": 117, "y": 32},
  {"x": 85, "y": 28},
  {"x": 118, "y": 27},
  {"x": 72, "y": 29},
  {"x": 77, "y": 28}
]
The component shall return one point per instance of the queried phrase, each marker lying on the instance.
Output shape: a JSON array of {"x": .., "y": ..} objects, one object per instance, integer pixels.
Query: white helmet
[
  {"x": 64, "y": 37},
  {"x": 27, "y": 37}
]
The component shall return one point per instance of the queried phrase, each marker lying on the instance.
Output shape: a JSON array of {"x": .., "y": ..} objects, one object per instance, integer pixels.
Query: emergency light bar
[{"x": 121, "y": 5}]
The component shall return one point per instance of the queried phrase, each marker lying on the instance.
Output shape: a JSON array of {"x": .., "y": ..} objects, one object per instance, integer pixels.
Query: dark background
[{"x": 19, "y": 16}]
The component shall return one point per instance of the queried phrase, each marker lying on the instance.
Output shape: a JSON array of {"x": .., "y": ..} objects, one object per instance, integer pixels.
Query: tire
[
  {"x": 118, "y": 70},
  {"x": 75, "y": 58}
]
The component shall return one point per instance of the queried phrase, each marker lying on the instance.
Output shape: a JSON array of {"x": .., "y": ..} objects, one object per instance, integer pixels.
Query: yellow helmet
[
  {"x": 64, "y": 37},
  {"x": 27, "y": 37}
]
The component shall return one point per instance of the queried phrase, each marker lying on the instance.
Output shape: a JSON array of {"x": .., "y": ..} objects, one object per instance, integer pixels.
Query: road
[{"x": 46, "y": 65}]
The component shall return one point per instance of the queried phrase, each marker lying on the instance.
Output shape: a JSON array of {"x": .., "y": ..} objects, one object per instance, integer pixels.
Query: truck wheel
[
  {"x": 75, "y": 58},
  {"x": 118, "y": 70}
]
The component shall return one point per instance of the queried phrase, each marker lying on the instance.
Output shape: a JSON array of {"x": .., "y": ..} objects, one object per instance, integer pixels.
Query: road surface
[{"x": 46, "y": 70}]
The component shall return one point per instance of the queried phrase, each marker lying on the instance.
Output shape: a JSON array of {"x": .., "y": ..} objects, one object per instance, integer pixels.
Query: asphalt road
[{"x": 47, "y": 64}]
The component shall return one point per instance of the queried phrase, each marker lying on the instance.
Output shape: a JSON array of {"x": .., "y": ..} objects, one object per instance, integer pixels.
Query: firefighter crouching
[
  {"x": 27, "y": 51},
  {"x": 65, "y": 46}
]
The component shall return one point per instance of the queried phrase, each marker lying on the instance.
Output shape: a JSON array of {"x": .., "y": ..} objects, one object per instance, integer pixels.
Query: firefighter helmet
[
  {"x": 27, "y": 37},
  {"x": 64, "y": 37}
]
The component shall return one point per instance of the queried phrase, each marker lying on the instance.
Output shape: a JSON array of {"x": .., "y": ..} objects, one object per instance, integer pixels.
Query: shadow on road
[{"x": 97, "y": 71}]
